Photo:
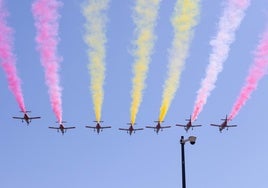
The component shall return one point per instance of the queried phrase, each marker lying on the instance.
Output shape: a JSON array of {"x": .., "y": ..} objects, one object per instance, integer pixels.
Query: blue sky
[{"x": 35, "y": 156}]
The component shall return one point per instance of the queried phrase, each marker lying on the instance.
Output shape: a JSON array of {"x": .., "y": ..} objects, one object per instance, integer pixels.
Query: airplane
[
  {"x": 130, "y": 130},
  {"x": 61, "y": 127},
  {"x": 224, "y": 124},
  {"x": 98, "y": 127},
  {"x": 158, "y": 127},
  {"x": 26, "y": 117},
  {"x": 188, "y": 125}
]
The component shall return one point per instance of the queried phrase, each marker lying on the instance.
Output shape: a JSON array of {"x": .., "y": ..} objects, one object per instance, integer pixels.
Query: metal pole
[{"x": 183, "y": 163}]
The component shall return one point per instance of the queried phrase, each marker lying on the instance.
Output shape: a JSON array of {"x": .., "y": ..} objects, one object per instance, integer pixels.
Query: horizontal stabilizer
[
  {"x": 61, "y": 122},
  {"x": 158, "y": 121},
  {"x": 26, "y": 111},
  {"x": 131, "y": 123}
]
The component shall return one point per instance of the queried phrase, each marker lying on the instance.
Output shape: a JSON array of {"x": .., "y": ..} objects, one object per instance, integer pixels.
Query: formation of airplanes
[{"x": 99, "y": 128}]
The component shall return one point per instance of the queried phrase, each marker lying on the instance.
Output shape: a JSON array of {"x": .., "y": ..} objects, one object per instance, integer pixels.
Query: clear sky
[{"x": 36, "y": 156}]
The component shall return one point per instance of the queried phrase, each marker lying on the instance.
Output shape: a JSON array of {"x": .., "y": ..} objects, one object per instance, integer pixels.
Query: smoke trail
[
  {"x": 145, "y": 15},
  {"x": 46, "y": 21},
  {"x": 8, "y": 59},
  {"x": 184, "y": 18},
  {"x": 95, "y": 14},
  {"x": 233, "y": 14},
  {"x": 256, "y": 72}
]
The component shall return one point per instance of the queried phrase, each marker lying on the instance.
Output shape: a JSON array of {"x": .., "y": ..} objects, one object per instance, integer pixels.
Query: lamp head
[{"x": 192, "y": 139}]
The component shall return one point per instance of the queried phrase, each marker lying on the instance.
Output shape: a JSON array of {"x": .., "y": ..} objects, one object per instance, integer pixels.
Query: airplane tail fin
[
  {"x": 190, "y": 119},
  {"x": 226, "y": 118}
]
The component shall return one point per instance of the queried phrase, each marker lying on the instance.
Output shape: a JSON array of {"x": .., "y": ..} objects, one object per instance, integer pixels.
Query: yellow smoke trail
[
  {"x": 185, "y": 17},
  {"x": 145, "y": 15},
  {"x": 95, "y": 38}
]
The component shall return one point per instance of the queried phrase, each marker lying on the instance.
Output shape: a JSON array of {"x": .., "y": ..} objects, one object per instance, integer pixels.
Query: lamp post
[{"x": 192, "y": 140}]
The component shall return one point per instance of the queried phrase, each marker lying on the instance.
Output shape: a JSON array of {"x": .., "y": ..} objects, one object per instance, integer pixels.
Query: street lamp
[{"x": 192, "y": 140}]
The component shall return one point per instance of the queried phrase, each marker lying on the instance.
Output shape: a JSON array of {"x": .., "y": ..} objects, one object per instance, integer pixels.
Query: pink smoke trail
[
  {"x": 256, "y": 72},
  {"x": 8, "y": 59},
  {"x": 233, "y": 14},
  {"x": 46, "y": 21}
]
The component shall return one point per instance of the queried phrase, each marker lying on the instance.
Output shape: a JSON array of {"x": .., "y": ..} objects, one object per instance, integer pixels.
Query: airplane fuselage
[
  {"x": 157, "y": 127},
  {"x": 61, "y": 128},
  {"x": 98, "y": 127},
  {"x": 188, "y": 125},
  {"x": 26, "y": 118},
  {"x": 223, "y": 125},
  {"x": 130, "y": 130}
]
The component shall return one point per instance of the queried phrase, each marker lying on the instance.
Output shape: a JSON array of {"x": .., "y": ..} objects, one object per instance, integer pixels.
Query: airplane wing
[
  {"x": 215, "y": 125},
  {"x": 196, "y": 125},
  {"x": 180, "y": 125},
  {"x": 94, "y": 127},
  {"x": 69, "y": 127},
  {"x": 139, "y": 129},
  {"x": 34, "y": 117},
  {"x": 231, "y": 125},
  {"x": 17, "y": 117},
  {"x": 151, "y": 127},
  {"x": 54, "y": 127}
]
